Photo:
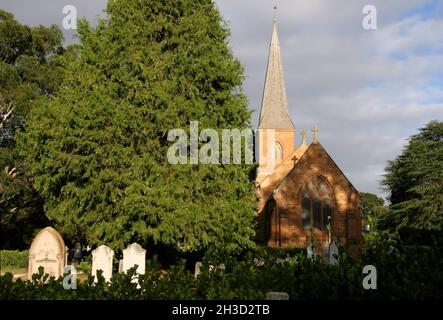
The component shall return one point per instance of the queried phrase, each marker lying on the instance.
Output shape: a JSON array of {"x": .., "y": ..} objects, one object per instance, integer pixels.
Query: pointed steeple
[{"x": 274, "y": 112}]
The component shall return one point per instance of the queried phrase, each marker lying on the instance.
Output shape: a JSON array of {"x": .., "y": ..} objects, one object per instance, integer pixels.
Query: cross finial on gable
[
  {"x": 316, "y": 129},
  {"x": 303, "y": 136},
  {"x": 294, "y": 158}
]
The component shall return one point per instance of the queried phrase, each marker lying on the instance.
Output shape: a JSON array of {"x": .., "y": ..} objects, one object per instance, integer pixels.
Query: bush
[
  {"x": 14, "y": 258},
  {"x": 403, "y": 272}
]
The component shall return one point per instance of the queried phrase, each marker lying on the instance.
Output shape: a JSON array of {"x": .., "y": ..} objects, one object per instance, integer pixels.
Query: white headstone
[
  {"x": 102, "y": 260},
  {"x": 198, "y": 266},
  {"x": 280, "y": 260},
  {"x": 133, "y": 255},
  {"x": 310, "y": 252},
  {"x": 258, "y": 263},
  {"x": 47, "y": 251},
  {"x": 333, "y": 253},
  {"x": 219, "y": 267}
]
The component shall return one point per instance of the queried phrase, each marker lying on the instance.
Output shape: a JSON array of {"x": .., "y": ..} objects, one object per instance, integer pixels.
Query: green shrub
[
  {"x": 84, "y": 266},
  {"x": 403, "y": 272},
  {"x": 13, "y": 259}
]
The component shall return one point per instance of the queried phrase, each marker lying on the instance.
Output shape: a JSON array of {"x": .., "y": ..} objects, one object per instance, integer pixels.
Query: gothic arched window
[
  {"x": 278, "y": 152},
  {"x": 316, "y": 204}
]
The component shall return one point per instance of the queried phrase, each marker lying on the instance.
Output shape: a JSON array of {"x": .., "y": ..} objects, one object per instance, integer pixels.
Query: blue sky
[{"x": 367, "y": 90}]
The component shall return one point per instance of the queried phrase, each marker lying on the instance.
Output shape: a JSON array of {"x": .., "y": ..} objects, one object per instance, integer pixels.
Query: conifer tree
[
  {"x": 415, "y": 182},
  {"x": 98, "y": 151}
]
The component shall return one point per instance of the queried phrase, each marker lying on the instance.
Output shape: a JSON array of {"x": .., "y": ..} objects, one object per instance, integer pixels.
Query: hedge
[
  {"x": 403, "y": 273},
  {"x": 13, "y": 259}
]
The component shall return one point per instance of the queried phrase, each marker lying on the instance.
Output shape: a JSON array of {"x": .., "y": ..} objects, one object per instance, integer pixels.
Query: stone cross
[
  {"x": 102, "y": 260},
  {"x": 294, "y": 158},
  {"x": 47, "y": 250},
  {"x": 315, "y": 130},
  {"x": 303, "y": 135}
]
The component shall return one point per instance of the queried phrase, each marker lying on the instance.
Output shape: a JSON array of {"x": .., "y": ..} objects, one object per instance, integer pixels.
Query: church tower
[{"x": 276, "y": 132}]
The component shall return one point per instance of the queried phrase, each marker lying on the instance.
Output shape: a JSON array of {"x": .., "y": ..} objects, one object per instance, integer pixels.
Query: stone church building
[{"x": 303, "y": 194}]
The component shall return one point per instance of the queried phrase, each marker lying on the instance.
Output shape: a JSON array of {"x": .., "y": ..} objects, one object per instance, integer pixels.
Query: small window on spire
[{"x": 278, "y": 152}]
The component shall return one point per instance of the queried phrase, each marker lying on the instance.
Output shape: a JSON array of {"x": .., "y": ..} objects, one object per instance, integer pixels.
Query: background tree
[
  {"x": 415, "y": 182},
  {"x": 98, "y": 151},
  {"x": 371, "y": 209},
  {"x": 30, "y": 74}
]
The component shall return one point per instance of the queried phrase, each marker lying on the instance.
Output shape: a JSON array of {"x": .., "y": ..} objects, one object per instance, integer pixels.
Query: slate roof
[{"x": 274, "y": 112}]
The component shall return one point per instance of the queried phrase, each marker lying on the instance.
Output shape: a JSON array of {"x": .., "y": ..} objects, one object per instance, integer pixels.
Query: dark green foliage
[
  {"x": 371, "y": 209},
  {"x": 30, "y": 71},
  {"x": 21, "y": 212},
  {"x": 403, "y": 273},
  {"x": 13, "y": 258},
  {"x": 99, "y": 151},
  {"x": 415, "y": 182},
  {"x": 30, "y": 74}
]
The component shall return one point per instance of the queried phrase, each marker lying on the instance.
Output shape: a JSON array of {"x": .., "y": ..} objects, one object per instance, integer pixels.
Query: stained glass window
[
  {"x": 316, "y": 204},
  {"x": 327, "y": 212},
  {"x": 306, "y": 213},
  {"x": 316, "y": 209}
]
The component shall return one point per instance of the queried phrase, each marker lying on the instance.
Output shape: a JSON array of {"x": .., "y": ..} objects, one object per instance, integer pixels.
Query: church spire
[{"x": 274, "y": 110}]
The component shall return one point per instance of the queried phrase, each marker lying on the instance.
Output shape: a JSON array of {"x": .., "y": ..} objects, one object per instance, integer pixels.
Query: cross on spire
[
  {"x": 316, "y": 129},
  {"x": 275, "y": 13},
  {"x": 274, "y": 112}
]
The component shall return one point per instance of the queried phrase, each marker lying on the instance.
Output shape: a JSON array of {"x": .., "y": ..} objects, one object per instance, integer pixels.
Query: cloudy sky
[{"x": 368, "y": 90}]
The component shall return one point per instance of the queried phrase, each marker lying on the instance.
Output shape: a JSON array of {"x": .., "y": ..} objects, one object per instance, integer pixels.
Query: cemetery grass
[{"x": 13, "y": 270}]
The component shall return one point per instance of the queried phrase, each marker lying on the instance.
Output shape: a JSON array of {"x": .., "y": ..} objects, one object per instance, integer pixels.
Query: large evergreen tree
[
  {"x": 415, "y": 182},
  {"x": 98, "y": 151},
  {"x": 30, "y": 74}
]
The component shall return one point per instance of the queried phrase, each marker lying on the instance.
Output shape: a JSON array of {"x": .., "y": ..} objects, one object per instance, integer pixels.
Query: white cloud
[{"x": 368, "y": 90}]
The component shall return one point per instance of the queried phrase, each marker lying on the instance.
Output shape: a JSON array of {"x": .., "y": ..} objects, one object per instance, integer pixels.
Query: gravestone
[
  {"x": 102, "y": 260},
  {"x": 48, "y": 251},
  {"x": 277, "y": 296},
  {"x": 215, "y": 268},
  {"x": 78, "y": 254},
  {"x": 133, "y": 255},
  {"x": 198, "y": 266},
  {"x": 280, "y": 260},
  {"x": 258, "y": 262},
  {"x": 333, "y": 253},
  {"x": 221, "y": 267},
  {"x": 310, "y": 251}
]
